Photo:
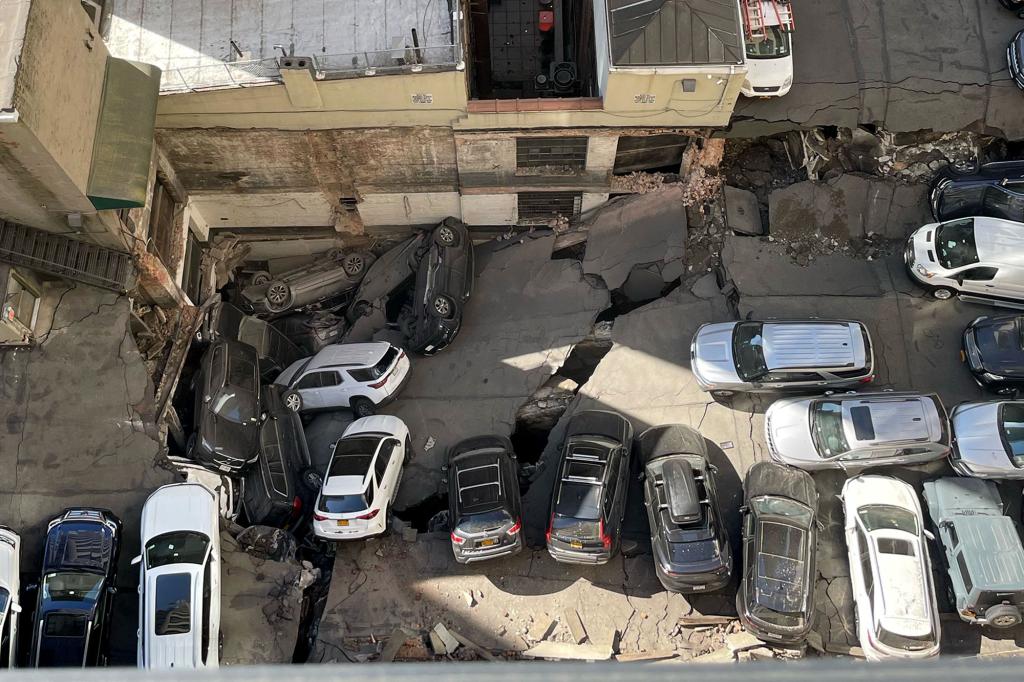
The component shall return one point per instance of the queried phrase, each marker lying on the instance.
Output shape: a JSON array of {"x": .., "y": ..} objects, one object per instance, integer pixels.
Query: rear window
[
  {"x": 477, "y": 523},
  {"x": 1011, "y": 425},
  {"x": 173, "y": 604},
  {"x": 954, "y": 244},
  {"x": 589, "y": 470},
  {"x": 883, "y": 516},
  {"x": 352, "y": 456},
  {"x": 895, "y": 546},
  {"x": 827, "y": 428},
  {"x": 241, "y": 372},
  {"x": 377, "y": 371},
  {"x": 579, "y": 501},
  {"x": 65, "y": 625},
  {"x": 904, "y": 642},
  {"x": 346, "y": 504}
]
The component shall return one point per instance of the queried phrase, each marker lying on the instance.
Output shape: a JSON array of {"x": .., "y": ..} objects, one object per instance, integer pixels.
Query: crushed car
[
  {"x": 424, "y": 283},
  {"x": 226, "y": 321},
  {"x": 332, "y": 276}
]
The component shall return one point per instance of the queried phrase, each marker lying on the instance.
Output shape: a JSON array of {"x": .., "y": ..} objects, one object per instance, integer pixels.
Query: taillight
[
  {"x": 606, "y": 540},
  {"x": 296, "y": 507},
  {"x": 456, "y": 539},
  {"x": 380, "y": 383},
  {"x": 516, "y": 527},
  {"x": 547, "y": 534},
  {"x": 371, "y": 515},
  {"x": 319, "y": 517},
  {"x": 868, "y": 379}
]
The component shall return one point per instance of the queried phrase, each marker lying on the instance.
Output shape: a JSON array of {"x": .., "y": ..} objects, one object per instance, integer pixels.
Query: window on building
[
  {"x": 540, "y": 207},
  {"x": 21, "y": 302},
  {"x": 567, "y": 154}
]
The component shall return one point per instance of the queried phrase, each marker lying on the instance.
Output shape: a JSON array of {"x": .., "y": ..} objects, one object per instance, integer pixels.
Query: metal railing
[{"x": 255, "y": 72}]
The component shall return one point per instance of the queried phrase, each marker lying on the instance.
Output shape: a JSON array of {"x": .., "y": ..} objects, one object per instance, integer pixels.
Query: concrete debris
[
  {"x": 742, "y": 641},
  {"x": 429, "y": 445},
  {"x": 560, "y": 651},
  {"x": 267, "y": 542},
  {"x": 437, "y": 644},
  {"x": 694, "y": 621},
  {"x": 743, "y": 215},
  {"x": 394, "y": 644},
  {"x": 699, "y": 172},
  {"x": 646, "y": 656},
  {"x": 544, "y": 407},
  {"x": 470, "y": 644},
  {"x": 449, "y": 642},
  {"x": 470, "y": 599},
  {"x": 575, "y": 624},
  {"x": 638, "y": 182},
  {"x": 409, "y": 534}
]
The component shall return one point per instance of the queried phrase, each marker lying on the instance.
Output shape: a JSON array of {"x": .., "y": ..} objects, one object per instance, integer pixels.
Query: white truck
[{"x": 768, "y": 36}]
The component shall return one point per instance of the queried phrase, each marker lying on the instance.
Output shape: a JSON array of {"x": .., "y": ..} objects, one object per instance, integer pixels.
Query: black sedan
[
  {"x": 995, "y": 190},
  {"x": 483, "y": 499},
  {"x": 993, "y": 349},
  {"x": 281, "y": 488},
  {"x": 73, "y": 606},
  {"x": 689, "y": 540},
  {"x": 588, "y": 502},
  {"x": 227, "y": 407},
  {"x": 1015, "y": 58},
  {"x": 776, "y": 596}
]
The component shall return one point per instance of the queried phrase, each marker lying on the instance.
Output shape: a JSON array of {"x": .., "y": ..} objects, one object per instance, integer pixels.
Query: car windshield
[
  {"x": 748, "y": 350},
  {"x": 5, "y": 598},
  {"x": 344, "y": 504},
  {"x": 1011, "y": 425},
  {"x": 827, "y": 428},
  {"x": 954, "y": 244},
  {"x": 770, "y": 505},
  {"x": 242, "y": 372},
  {"x": 72, "y": 586},
  {"x": 181, "y": 547},
  {"x": 774, "y": 44},
  {"x": 173, "y": 604},
  {"x": 902, "y": 641},
  {"x": 233, "y": 405},
  {"x": 888, "y": 517}
]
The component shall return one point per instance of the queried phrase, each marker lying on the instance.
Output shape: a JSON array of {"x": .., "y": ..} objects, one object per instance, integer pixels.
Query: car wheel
[
  {"x": 261, "y": 277},
  {"x": 446, "y": 235},
  {"x": 943, "y": 293},
  {"x": 363, "y": 407},
  {"x": 444, "y": 307},
  {"x": 279, "y": 297},
  {"x": 1003, "y": 616},
  {"x": 354, "y": 264},
  {"x": 293, "y": 401},
  {"x": 964, "y": 166}
]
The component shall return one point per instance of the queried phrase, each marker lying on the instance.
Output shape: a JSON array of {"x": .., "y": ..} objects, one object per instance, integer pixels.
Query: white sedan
[
  {"x": 988, "y": 439},
  {"x": 362, "y": 479},
  {"x": 890, "y": 572}
]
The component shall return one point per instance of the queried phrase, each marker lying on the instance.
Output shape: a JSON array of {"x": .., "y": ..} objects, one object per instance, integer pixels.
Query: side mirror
[
  {"x": 207, "y": 398},
  {"x": 137, "y": 560},
  {"x": 112, "y": 589},
  {"x": 928, "y": 534},
  {"x": 444, "y": 480},
  {"x": 16, "y": 608},
  {"x": 444, "y": 467}
]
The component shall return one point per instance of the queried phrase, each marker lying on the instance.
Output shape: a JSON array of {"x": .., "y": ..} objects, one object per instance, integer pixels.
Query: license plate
[
  {"x": 488, "y": 542},
  {"x": 698, "y": 588},
  {"x": 576, "y": 544},
  {"x": 343, "y": 522}
]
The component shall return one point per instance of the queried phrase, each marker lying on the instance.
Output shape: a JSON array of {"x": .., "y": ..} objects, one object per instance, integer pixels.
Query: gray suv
[{"x": 983, "y": 553}]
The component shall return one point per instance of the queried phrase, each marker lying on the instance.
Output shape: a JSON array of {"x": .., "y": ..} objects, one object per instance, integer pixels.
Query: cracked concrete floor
[{"x": 898, "y": 65}]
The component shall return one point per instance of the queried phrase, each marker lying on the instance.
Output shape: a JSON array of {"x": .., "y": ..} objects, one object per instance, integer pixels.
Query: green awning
[{"x": 121, "y": 153}]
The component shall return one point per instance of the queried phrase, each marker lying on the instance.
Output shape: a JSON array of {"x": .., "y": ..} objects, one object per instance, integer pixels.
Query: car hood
[
  {"x": 976, "y": 429},
  {"x": 180, "y": 506},
  {"x": 999, "y": 343},
  {"x": 79, "y": 545},
  {"x": 788, "y": 427},
  {"x": 769, "y": 73},
  {"x": 226, "y": 438},
  {"x": 712, "y": 358}
]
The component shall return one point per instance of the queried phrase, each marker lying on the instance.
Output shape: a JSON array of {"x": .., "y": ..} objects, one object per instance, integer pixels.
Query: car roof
[
  {"x": 349, "y": 355},
  {"x": 351, "y": 463},
  {"x": 813, "y": 345},
  {"x": 992, "y": 550},
  {"x": 780, "y": 581},
  {"x": 479, "y": 482},
  {"x": 902, "y": 587},
  {"x": 998, "y": 241},
  {"x": 681, "y": 497},
  {"x": 769, "y": 478},
  {"x": 885, "y": 419}
]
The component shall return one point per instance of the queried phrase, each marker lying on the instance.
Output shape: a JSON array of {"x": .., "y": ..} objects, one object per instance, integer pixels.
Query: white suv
[
  {"x": 10, "y": 584},
  {"x": 362, "y": 479},
  {"x": 359, "y": 376},
  {"x": 179, "y": 589},
  {"x": 890, "y": 572}
]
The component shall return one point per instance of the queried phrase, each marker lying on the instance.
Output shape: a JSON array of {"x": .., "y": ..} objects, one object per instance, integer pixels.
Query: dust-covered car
[
  {"x": 483, "y": 499},
  {"x": 775, "y": 600},
  {"x": 988, "y": 439},
  {"x": 226, "y": 321},
  {"x": 332, "y": 275},
  {"x": 310, "y": 330},
  {"x": 427, "y": 279},
  {"x": 995, "y": 190},
  {"x": 688, "y": 537},
  {"x": 993, "y": 350}
]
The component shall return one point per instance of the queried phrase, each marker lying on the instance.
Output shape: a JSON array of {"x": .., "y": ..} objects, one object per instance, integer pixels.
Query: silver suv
[{"x": 778, "y": 355}]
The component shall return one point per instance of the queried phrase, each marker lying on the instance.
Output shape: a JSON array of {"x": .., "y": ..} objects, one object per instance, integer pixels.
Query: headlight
[
  {"x": 923, "y": 271},
  {"x": 786, "y": 83},
  {"x": 746, "y": 85},
  {"x": 988, "y": 376}
]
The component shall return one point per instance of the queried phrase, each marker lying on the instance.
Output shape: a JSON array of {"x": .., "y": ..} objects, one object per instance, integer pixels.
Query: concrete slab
[
  {"x": 635, "y": 230},
  {"x": 524, "y": 316},
  {"x": 742, "y": 213},
  {"x": 78, "y": 423},
  {"x": 896, "y": 65}
]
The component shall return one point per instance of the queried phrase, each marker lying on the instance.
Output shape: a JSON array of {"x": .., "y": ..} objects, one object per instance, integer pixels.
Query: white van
[
  {"x": 10, "y": 586},
  {"x": 179, "y": 588},
  {"x": 768, "y": 37},
  {"x": 980, "y": 259}
]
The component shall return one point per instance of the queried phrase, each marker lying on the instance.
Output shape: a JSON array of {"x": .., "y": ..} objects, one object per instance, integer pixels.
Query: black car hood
[
  {"x": 389, "y": 271},
  {"x": 79, "y": 545},
  {"x": 228, "y": 439},
  {"x": 768, "y": 478},
  {"x": 999, "y": 343}
]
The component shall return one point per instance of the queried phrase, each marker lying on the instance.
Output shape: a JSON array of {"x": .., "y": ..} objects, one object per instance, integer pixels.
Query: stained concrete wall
[
  {"x": 490, "y": 209},
  {"x": 265, "y": 209},
  {"x": 409, "y": 209}
]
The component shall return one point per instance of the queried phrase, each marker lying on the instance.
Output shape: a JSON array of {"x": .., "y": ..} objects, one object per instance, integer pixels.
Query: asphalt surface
[{"x": 906, "y": 66}]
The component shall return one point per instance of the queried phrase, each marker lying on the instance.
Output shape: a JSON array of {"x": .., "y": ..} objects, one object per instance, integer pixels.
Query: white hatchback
[
  {"x": 890, "y": 572},
  {"x": 362, "y": 479},
  {"x": 10, "y": 585},
  {"x": 359, "y": 376},
  {"x": 179, "y": 589}
]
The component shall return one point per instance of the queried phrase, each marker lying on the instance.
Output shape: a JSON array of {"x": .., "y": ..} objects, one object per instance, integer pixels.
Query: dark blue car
[
  {"x": 995, "y": 190},
  {"x": 75, "y": 590}
]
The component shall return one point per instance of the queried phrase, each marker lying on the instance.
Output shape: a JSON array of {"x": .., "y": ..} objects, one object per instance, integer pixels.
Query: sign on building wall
[{"x": 422, "y": 98}]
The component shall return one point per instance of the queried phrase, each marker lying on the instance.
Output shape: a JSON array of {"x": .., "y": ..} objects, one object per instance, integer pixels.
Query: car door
[
  {"x": 748, "y": 525},
  {"x": 318, "y": 389},
  {"x": 386, "y": 469},
  {"x": 979, "y": 280},
  {"x": 792, "y": 380}
]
